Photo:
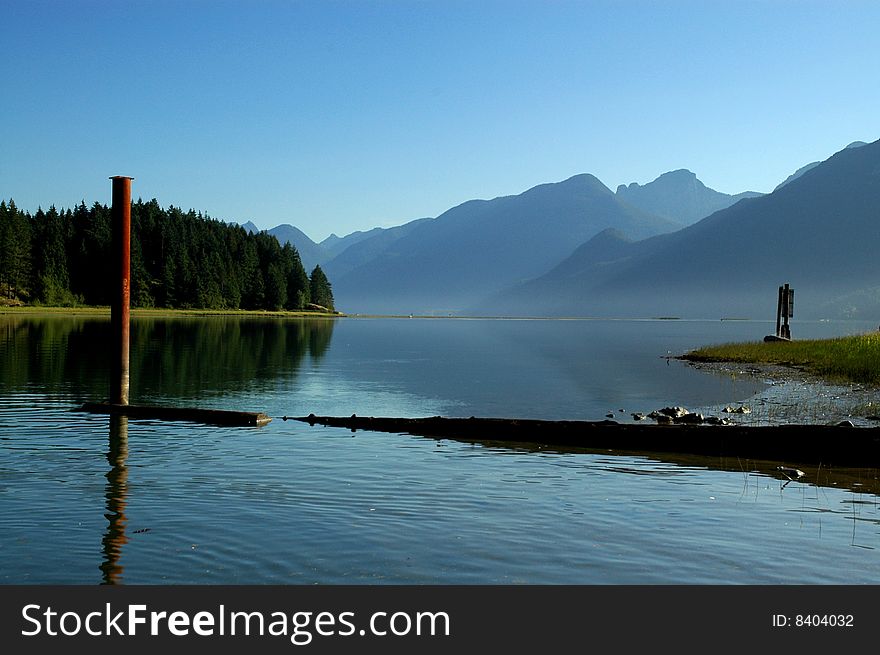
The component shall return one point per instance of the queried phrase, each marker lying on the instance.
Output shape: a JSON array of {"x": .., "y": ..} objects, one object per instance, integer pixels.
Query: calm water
[{"x": 84, "y": 499}]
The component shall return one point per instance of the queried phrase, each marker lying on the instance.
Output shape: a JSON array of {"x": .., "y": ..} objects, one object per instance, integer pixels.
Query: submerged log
[
  {"x": 198, "y": 415},
  {"x": 808, "y": 444}
]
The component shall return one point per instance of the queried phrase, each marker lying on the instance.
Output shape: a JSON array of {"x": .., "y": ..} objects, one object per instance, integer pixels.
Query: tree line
[{"x": 179, "y": 260}]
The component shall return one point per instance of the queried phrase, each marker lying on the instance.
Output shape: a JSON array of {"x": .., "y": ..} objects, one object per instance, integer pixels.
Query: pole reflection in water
[{"x": 116, "y": 491}]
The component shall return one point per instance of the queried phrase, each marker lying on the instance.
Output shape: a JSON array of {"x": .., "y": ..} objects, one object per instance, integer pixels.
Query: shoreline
[
  {"x": 795, "y": 395},
  {"x": 98, "y": 310},
  {"x": 164, "y": 312}
]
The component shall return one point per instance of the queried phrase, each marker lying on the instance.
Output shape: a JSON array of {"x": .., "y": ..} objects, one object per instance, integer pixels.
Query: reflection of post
[
  {"x": 121, "y": 293},
  {"x": 115, "y": 493}
]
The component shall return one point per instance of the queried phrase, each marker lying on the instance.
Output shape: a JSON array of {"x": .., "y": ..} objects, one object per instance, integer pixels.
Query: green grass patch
[{"x": 852, "y": 359}]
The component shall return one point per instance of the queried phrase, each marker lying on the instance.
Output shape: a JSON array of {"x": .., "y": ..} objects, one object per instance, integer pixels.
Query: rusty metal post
[{"x": 121, "y": 292}]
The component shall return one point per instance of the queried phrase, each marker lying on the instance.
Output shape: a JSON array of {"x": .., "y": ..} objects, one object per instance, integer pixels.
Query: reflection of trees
[
  {"x": 116, "y": 493},
  {"x": 36, "y": 350},
  {"x": 175, "y": 356},
  {"x": 319, "y": 342}
]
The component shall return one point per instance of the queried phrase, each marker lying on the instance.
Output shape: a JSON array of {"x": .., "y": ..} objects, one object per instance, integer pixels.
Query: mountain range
[
  {"x": 818, "y": 232},
  {"x": 482, "y": 246},
  {"x": 669, "y": 247}
]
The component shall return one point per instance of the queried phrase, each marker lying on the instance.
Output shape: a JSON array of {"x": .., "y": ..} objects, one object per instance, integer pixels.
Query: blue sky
[{"x": 340, "y": 116}]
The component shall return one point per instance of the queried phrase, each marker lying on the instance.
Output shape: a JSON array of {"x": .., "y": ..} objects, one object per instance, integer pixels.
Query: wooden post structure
[
  {"x": 784, "y": 311},
  {"x": 779, "y": 313},
  {"x": 120, "y": 299}
]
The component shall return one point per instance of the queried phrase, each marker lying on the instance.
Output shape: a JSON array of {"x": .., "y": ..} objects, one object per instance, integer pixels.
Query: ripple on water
[{"x": 291, "y": 504}]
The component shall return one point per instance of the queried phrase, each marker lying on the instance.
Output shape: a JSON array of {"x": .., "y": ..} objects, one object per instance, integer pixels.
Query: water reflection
[
  {"x": 369, "y": 509},
  {"x": 856, "y": 480},
  {"x": 179, "y": 357},
  {"x": 116, "y": 494}
]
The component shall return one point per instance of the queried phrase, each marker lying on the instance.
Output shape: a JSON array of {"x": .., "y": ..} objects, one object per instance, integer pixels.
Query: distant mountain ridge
[
  {"x": 373, "y": 245},
  {"x": 444, "y": 264},
  {"x": 818, "y": 232},
  {"x": 314, "y": 254},
  {"x": 679, "y": 196},
  {"x": 811, "y": 166},
  {"x": 311, "y": 254},
  {"x": 545, "y": 250}
]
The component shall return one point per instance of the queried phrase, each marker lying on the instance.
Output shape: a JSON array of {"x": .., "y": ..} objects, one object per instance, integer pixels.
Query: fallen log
[
  {"x": 194, "y": 414},
  {"x": 825, "y": 445}
]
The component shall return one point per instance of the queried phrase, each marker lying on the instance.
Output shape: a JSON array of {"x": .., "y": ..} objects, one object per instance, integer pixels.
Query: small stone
[
  {"x": 846, "y": 424},
  {"x": 674, "y": 412},
  {"x": 742, "y": 409}
]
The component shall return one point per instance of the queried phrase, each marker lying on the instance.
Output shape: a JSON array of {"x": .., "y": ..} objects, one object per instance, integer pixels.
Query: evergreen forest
[{"x": 180, "y": 260}]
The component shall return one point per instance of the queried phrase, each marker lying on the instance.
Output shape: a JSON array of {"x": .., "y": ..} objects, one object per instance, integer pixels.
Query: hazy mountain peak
[
  {"x": 583, "y": 178},
  {"x": 679, "y": 174},
  {"x": 812, "y": 165},
  {"x": 580, "y": 182},
  {"x": 678, "y": 196}
]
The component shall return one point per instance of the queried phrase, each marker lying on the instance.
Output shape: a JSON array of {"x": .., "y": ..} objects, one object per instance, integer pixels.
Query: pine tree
[
  {"x": 298, "y": 292},
  {"x": 276, "y": 287},
  {"x": 51, "y": 278},
  {"x": 15, "y": 251},
  {"x": 321, "y": 291}
]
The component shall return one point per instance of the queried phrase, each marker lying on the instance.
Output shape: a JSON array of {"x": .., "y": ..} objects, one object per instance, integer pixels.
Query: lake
[{"x": 88, "y": 499}]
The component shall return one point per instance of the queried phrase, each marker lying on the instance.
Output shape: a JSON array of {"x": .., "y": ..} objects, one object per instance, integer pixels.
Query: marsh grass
[{"x": 843, "y": 359}]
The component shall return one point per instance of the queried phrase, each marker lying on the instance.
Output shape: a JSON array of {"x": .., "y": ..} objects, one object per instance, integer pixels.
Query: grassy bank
[
  {"x": 105, "y": 311},
  {"x": 844, "y": 359}
]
